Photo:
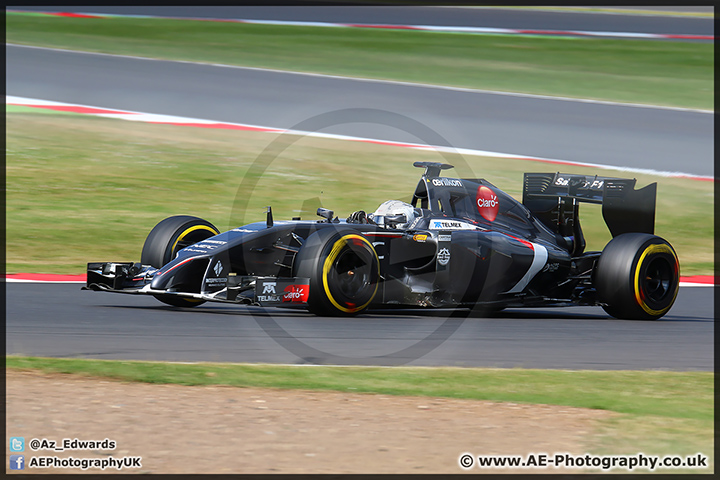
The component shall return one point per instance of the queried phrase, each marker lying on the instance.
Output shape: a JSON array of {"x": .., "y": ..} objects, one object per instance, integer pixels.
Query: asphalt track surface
[
  {"x": 624, "y": 136},
  {"x": 62, "y": 321},
  {"x": 439, "y": 16}
]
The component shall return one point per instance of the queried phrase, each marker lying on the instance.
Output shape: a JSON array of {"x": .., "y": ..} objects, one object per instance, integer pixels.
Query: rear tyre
[
  {"x": 167, "y": 239},
  {"x": 637, "y": 277},
  {"x": 343, "y": 269}
]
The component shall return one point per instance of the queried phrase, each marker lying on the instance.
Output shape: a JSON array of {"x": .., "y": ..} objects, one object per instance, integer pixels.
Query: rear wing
[{"x": 554, "y": 197}]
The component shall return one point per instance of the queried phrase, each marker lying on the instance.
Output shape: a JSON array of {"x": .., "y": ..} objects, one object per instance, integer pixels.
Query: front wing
[{"x": 135, "y": 278}]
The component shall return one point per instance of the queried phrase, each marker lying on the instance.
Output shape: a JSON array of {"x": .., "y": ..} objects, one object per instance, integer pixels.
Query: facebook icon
[{"x": 17, "y": 462}]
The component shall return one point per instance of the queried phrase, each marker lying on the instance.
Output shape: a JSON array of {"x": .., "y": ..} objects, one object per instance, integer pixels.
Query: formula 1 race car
[{"x": 460, "y": 243}]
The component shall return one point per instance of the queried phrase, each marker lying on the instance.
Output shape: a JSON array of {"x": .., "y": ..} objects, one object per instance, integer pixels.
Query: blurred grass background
[
  {"x": 83, "y": 189},
  {"x": 677, "y": 74}
]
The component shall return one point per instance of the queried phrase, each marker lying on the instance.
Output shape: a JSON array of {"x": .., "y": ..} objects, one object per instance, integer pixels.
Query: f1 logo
[{"x": 17, "y": 462}]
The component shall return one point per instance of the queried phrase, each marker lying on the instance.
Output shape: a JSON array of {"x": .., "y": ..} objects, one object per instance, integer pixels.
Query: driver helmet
[{"x": 395, "y": 207}]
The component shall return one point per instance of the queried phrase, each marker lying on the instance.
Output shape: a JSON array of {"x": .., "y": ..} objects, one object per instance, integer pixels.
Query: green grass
[
  {"x": 670, "y": 394},
  {"x": 660, "y": 412},
  {"x": 655, "y": 435},
  {"x": 664, "y": 73},
  {"x": 83, "y": 189}
]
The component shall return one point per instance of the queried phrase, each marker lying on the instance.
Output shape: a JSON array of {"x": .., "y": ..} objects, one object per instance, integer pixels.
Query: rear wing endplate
[{"x": 624, "y": 209}]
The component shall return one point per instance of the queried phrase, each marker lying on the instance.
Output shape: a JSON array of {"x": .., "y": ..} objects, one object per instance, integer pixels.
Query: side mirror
[{"x": 326, "y": 214}]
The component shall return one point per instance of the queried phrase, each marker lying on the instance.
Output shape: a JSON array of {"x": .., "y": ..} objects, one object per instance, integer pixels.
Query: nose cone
[{"x": 181, "y": 273}]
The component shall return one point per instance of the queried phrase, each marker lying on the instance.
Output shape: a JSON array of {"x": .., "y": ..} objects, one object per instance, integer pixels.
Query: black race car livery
[{"x": 459, "y": 243}]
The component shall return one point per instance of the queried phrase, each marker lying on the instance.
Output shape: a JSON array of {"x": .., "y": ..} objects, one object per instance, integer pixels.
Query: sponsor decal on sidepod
[
  {"x": 450, "y": 225},
  {"x": 487, "y": 203},
  {"x": 443, "y": 256}
]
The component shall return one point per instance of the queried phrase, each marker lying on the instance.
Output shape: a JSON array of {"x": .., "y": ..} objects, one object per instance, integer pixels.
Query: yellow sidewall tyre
[
  {"x": 343, "y": 268},
  {"x": 637, "y": 277}
]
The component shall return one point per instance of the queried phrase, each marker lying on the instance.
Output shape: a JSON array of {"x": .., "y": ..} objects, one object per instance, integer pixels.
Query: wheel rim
[
  {"x": 658, "y": 280},
  {"x": 350, "y": 273}
]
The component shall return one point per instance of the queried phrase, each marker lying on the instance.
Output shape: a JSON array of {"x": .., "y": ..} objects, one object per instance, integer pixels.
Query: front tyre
[
  {"x": 172, "y": 235},
  {"x": 167, "y": 239},
  {"x": 637, "y": 277},
  {"x": 343, "y": 268}
]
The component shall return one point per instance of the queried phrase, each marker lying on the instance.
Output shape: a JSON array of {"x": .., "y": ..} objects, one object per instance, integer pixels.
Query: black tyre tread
[
  {"x": 306, "y": 265},
  {"x": 159, "y": 240}
]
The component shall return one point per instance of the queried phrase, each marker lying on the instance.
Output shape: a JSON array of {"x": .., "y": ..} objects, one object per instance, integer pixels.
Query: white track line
[
  {"x": 180, "y": 121},
  {"x": 388, "y": 26},
  {"x": 173, "y": 120},
  {"x": 375, "y": 80}
]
